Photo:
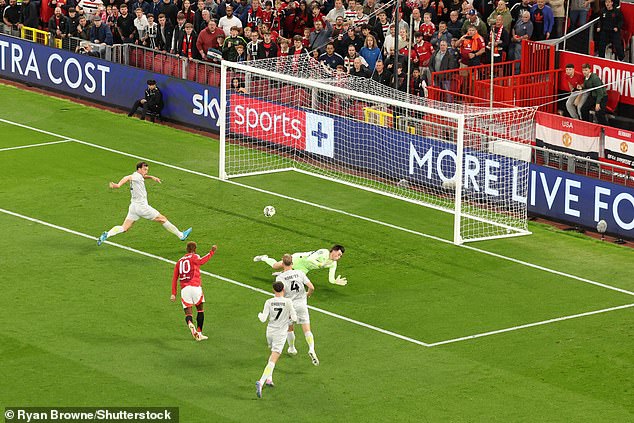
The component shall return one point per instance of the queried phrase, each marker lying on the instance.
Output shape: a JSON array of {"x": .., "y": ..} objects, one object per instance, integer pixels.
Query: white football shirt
[
  {"x": 294, "y": 285},
  {"x": 137, "y": 189},
  {"x": 280, "y": 312}
]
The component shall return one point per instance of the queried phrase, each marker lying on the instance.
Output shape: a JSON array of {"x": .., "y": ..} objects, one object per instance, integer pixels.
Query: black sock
[
  {"x": 200, "y": 319},
  {"x": 188, "y": 319}
]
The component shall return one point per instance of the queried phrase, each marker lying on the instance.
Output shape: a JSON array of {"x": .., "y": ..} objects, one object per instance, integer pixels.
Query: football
[
  {"x": 602, "y": 226},
  {"x": 269, "y": 211},
  {"x": 449, "y": 184}
]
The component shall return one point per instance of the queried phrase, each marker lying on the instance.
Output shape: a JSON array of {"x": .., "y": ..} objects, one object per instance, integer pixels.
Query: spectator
[
  {"x": 267, "y": 48},
  {"x": 152, "y": 101},
  {"x": 178, "y": 32},
  {"x": 418, "y": 86},
  {"x": 253, "y": 46},
  {"x": 609, "y": 30},
  {"x": 523, "y": 30},
  {"x": 390, "y": 60},
  {"x": 574, "y": 84},
  {"x": 152, "y": 32},
  {"x": 303, "y": 18},
  {"x": 578, "y": 13},
  {"x": 358, "y": 69},
  {"x": 518, "y": 8},
  {"x": 381, "y": 28},
  {"x": 427, "y": 28},
  {"x": 472, "y": 47},
  {"x": 237, "y": 86},
  {"x": 318, "y": 16},
  {"x": 543, "y": 21},
  {"x": 441, "y": 34},
  {"x": 503, "y": 11},
  {"x": 442, "y": 60},
  {"x": 140, "y": 24},
  {"x": 360, "y": 18},
  {"x": 58, "y": 25},
  {"x": 202, "y": 19},
  {"x": 170, "y": 11},
  {"x": 559, "y": 17},
  {"x": 399, "y": 80},
  {"x": 188, "y": 12},
  {"x": 112, "y": 14},
  {"x": 221, "y": 11},
  {"x": 73, "y": 21},
  {"x": 99, "y": 33},
  {"x": 596, "y": 96},
  {"x": 337, "y": 11},
  {"x": 370, "y": 7},
  {"x": 227, "y": 22},
  {"x": 156, "y": 8},
  {"x": 454, "y": 26},
  {"x": 370, "y": 52},
  {"x": 165, "y": 34},
  {"x": 381, "y": 75},
  {"x": 475, "y": 21},
  {"x": 125, "y": 25},
  {"x": 146, "y": 6},
  {"x": 241, "y": 55},
  {"x": 338, "y": 29},
  {"x": 208, "y": 39},
  {"x": 90, "y": 8},
  {"x": 351, "y": 11},
  {"x": 83, "y": 29},
  {"x": 423, "y": 51},
  {"x": 11, "y": 14},
  {"x": 229, "y": 51},
  {"x": 186, "y": 47},
  {"x": 351, "y": 38},
  {"x": 348, "y": 61},
  {"x": 417, "y": 20},
  {"x": 330, "y": 59},
  {"x": 30, "y": 16},
  {"x": 500, "y": 40},
  {"x": 320, "y": 36}
]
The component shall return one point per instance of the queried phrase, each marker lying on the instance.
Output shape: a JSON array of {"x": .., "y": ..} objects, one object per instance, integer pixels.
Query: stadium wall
[
  {"x": 554, "y": 194},
  {"x": 105, "y": 82}
]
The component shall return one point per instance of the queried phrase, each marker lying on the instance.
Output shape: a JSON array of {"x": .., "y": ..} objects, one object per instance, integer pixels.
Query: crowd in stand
[{"x": 354, "y": 38}]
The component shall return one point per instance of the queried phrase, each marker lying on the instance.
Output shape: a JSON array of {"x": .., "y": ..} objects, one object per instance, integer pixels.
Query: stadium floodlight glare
[{"x": 298, "y": 115}]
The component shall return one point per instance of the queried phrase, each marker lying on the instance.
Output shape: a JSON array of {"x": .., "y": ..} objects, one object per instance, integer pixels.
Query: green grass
[{"x": 88, "y": 326}]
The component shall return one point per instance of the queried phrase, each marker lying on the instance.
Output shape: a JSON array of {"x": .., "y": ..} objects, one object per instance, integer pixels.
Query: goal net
[{"x": 290, "y": 113}]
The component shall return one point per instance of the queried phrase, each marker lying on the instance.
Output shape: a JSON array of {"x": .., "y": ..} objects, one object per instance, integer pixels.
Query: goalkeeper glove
[{"x": 340, "y": 281}]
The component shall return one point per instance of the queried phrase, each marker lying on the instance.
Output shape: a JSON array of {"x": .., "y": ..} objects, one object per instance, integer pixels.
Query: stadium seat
[{"x": 613, "y": 101}]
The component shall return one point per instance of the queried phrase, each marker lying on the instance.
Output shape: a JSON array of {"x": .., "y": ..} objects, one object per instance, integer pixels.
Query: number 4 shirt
[{"x": 294, "y": 285}]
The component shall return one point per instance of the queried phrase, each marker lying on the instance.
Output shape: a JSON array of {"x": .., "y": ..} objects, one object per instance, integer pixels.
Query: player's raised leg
[
  {"x": 169, "y": 227},
  {"x": 268, "y": 260},
  {"x": 116, "y": 230}
]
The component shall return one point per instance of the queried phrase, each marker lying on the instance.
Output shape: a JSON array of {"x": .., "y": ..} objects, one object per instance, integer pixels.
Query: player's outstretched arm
[
  {"x": 204, "y": 259},
  {"x": 123, "y": 181},
  {"x": 154, "y": 178}
]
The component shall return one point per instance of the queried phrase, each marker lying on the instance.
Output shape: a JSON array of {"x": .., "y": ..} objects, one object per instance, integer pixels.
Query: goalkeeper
[{"x": 311, "y": 260}]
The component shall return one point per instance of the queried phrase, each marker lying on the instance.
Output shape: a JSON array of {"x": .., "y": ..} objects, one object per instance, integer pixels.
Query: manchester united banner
[
  {"x": 568, "y": 135},
  {"x": 619, "y": 146}
]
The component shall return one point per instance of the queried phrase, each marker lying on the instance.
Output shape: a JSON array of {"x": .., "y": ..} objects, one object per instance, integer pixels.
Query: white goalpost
[{"x": 292, "y": 114}]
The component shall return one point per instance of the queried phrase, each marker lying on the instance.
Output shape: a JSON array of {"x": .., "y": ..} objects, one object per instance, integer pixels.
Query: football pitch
[{"x": 529, "y": 329}]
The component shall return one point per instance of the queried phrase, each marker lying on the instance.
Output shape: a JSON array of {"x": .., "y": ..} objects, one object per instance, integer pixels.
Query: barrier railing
[
  {"x": 40, "y": 37},
  {"x": 463, "y": 80}
]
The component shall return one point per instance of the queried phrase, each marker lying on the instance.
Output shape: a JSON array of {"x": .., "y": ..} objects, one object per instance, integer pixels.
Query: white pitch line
[
  {"x": 213, "y": 275},
  {"x": 36, "y": 145},
  {"x": 529, "y": 325},
  {"x": 356, "y": 216}
]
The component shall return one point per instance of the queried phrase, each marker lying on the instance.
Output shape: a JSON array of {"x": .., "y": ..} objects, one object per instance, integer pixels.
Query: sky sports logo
[{"x": 282, "y": 125}]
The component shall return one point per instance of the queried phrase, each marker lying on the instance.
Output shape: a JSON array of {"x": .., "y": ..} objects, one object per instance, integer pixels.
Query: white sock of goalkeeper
[
  {"x": 290, "y": 337},
  {"x": 116, "y": 230},
  {"x": 270, "y": 261},
  {"x": 310, "y": 340},
  {"x": 173, "y": 229}
]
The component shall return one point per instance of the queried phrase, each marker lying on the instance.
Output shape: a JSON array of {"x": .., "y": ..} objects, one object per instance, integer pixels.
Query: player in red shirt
[{"x": 187, "y": 270}]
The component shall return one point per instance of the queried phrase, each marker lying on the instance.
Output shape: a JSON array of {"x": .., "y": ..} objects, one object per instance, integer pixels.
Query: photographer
[
  {"x": 85, "y": 47},
  {"x": 152, "y": 102}
]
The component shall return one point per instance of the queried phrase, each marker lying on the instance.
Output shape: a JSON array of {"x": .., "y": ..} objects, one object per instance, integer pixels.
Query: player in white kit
[
  {"x": 279, "y": 311},
  {"x": 139, "y": 206},
  {"x": 295, "y": 283}
]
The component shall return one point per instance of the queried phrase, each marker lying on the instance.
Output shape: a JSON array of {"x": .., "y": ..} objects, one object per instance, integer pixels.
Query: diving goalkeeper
[{"x": 311, "y": 260}]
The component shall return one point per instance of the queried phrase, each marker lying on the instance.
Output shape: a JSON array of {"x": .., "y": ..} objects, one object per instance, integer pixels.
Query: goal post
[{"x": 292, "y": 114}]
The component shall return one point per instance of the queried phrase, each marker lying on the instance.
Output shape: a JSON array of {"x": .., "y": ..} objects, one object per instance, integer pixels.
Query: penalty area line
[
  {"x": 331, "y": 209},
  {"x": 530, "y": 325},
  {"x": 213, "y": 275},
  {"x": 36, "y": 145}
]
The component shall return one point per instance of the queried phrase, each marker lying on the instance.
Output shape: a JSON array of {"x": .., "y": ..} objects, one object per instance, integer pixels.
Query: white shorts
[
  {"x": 192, "y": 295},
  {"x": 276, "y": 338},
  {"x": 145, "y": 211},
  {"x": 302, "y": 313}
]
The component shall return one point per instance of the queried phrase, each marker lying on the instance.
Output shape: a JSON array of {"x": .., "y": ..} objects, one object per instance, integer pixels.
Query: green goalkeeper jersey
[{"x": 319, "y": 259}]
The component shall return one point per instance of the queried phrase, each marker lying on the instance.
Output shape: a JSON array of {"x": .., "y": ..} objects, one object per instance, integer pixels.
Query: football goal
[{"x": 292, "y": 114}]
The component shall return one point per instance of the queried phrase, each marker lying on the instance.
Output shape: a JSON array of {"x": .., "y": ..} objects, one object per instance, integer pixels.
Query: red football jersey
[{"x": 187, "y": 270}]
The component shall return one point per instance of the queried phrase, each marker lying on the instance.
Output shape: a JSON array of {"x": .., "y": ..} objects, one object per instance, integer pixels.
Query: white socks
[
  {"x": 116, "y": 230},
  {"x": 173, "y": 229},
  {"x": 290, "y": 337},
  {"x": 310, "y": 340},
  {"x": 270, "y": 261},
  {"x": 268, "y": 372}
]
